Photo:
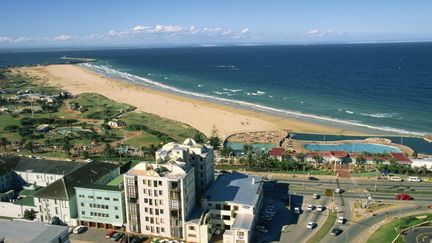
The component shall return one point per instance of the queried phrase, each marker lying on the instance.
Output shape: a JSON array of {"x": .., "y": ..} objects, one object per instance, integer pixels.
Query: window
[
  {"x": 91, "y": 197},
  {"x": 82, "y": 204},
  {"x": 115, "y": 208},
  {"x": 145, "y": 200},
  {"x": 161, "y": 211},
  {"x": 160, "y": 192},
  {"x": 162, "y": 229},
  {"x": 81, "y": 196},
  {"x": 192, "y": 227},
  {"x": 56, "y": 210},
  {"x": 144, "y": 182},
  {"x": 107, "y": 198},
  {"x": 160, "y": 183},
  {"x": 218, "y": 206},
  {"x": 99, "y": 198},
  {"x": 146, "y": 210},
  {"x": 55, "y": 201},
  {"x": 236, "y": 208},
  {"x": 226, "y": 217},
  {"x": 117, "y": 217},
  {"x": 240, "y": 233},
  {"x": 145, "y": 191},
  {"x": 155, "y": 183},
  {"x": 115, "y": 199},
  {"x": 82, "y": 212}
]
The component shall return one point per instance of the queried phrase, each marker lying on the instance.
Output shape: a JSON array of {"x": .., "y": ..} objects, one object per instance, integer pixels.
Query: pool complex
[{"x": 353, "y": 147}]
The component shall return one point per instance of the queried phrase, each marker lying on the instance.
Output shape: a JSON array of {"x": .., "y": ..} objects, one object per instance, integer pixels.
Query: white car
[
  {"x": 297, "y": 210},
  {"x": 395, "y": 178},
  {"x": 341, "y": 220},
  {"x": 320, "y": 208},
  {"x": 338, "y": 190},
  {"x": 310, "y": 207},
  {"x": 315, "y": 196},
  {"x": 311, "y": 225},
  {"x": 78, "y": 229},
  {"x": 414, "y": 179}
]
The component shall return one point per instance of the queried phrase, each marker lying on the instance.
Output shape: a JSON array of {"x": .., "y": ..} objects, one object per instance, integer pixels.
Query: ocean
[{"x": 384, "y": 88}]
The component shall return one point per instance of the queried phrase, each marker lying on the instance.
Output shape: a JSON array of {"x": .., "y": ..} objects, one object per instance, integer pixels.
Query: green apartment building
[{"x": 101, "y": 206}]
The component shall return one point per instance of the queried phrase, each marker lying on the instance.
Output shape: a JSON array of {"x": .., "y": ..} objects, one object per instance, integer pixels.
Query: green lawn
[
  {"x": 325, "y": 228},
  {"x": 387, "y": 232},
  {"x": 116, "y": 181},
  {"x": 100, "y": 107},
  {"x": 176, "y": 130},
  {"x": 144, "y": 139}
]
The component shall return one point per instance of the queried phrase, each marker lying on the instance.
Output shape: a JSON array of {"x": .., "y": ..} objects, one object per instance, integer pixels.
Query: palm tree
[
  {"x": 301, "y": 157},
  {"x": 318, "y": 160}
]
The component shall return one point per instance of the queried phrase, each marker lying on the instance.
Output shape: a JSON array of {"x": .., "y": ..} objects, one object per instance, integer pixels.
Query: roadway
[{"x": 354, "y": 192}]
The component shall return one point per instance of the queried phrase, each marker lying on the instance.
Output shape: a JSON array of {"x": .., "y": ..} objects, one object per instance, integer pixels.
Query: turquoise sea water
[{"x": 386, "y": 88}]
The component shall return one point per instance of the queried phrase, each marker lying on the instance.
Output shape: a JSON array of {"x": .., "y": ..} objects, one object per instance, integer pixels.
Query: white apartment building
[
  {"x": 229, "y": 208},
  {"x": 197, "y": 155},
  {"x": 159, "y": 198}
]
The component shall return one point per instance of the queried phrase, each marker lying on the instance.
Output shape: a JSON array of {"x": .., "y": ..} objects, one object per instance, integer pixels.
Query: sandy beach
[{"x": 202, "y": 115}]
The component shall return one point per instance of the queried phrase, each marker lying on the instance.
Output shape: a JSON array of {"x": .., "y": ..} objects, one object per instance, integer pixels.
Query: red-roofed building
[
  {"x": 277, "y": 153},
  {"x": 401, "y": 158}
]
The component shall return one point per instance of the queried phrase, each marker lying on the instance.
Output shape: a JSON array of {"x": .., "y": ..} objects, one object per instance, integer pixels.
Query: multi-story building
[
  {"x": 59, "y": 199},
  {"x": 229, "y": 207},
  {"x": 16, "y": 171},
  {"x": 101, "y": 206},
  {"x": 159, "y": 198},
  {"x": 198, "y": 155}
]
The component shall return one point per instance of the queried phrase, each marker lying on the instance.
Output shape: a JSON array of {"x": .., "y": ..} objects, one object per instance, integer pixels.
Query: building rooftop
[
  {"x": 58, "y": 167},
  {"x": 85, "y": 176},
  {"x": 171, "y": 170},
  {"x": 243, "y": 221},
  {"x": 35, "y": 232},
  {"x": 235, "y": 187},
  {"x": 277, "y": 151},
  {"x": 401, "y": 158}
]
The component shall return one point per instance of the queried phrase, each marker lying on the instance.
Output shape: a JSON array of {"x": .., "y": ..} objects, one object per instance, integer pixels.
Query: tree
[
  {"x": 199, "y": 138},
  {"x": 66, "y": 145},
  {"x": 85, "y": 154},
  {"x": 318, "y": 160},
  {"x": 301, "y": 157},
  {"x": 247, "y": 148},
  {"x": 29, "y": 214},
  {"x": 226, "y": 152},
  {"x": 107, "y": 151},
  {"x": 29, "y": 146},
  {"x": 4, "y": 142},
  {"x": 214, "y": 139}
]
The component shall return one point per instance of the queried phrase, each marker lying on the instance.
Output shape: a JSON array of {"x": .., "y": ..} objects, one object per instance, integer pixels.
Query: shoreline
[{"x": 198, "y": 113}]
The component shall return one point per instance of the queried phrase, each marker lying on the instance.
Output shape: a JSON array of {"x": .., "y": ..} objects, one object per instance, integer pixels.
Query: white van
[
  {"x": 414, "y": 179},
  {"x": 395, "y": 178}
]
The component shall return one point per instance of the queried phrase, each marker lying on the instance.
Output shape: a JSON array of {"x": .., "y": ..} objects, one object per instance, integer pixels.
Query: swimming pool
[
  {"x": 238, "y": 147},
  {"x": 353, "y": 147}
]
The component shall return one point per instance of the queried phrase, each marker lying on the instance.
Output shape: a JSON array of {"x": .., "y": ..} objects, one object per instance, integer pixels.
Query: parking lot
[{"x": 90, "y": 235}]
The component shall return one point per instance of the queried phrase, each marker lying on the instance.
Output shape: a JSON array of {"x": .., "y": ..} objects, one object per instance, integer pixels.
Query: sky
[{"x": 79, "y": 23}]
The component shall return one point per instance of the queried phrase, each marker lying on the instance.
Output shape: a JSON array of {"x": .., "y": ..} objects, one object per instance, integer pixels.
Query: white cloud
[
  {"x": 62, "y": 38},
  {"x": 244, "y": 31},
  {"x": 322, "y": 33},
  {"x": 141, "y": 28},
  {"x": 5, "y": 39}
]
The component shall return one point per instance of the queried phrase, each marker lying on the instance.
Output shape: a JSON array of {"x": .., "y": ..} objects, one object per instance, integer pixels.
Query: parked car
[
  {"x": 339, "y": 190},
  {"x": 138, "y": 239},
  {"x": 341, "y": 220},
  {"x": 414, "y": 179},
  {"x": 117, "y": 236},
  {"x": 315, "y": 196},
  {"x": 311, "y": 225},
  {"x": 320, "y": 208},
  {"x": 403, "y": 196},
  {"x": 262, "y": 229},
  {"x": 336, "y": 231},
  {"x": 311, "y": 178},
  {"x": 297, "y": 210},
  {"x": 109, "y": 233},
  {"x": 310, "y": 207},
  {"x": 79, "y": 229},
  {"x": 395, "y": 178}
]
